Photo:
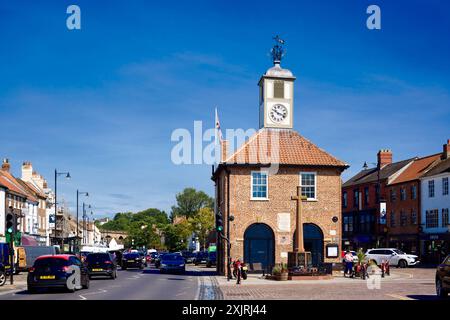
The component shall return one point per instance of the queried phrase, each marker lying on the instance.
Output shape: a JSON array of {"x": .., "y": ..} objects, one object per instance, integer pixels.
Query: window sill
[{"x": 259, "y": 199}]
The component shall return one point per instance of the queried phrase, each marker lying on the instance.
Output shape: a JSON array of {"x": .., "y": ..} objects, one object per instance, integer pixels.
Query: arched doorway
[
  {"x": 313, "y": 242},
  {"x": 259, "y": 245}
]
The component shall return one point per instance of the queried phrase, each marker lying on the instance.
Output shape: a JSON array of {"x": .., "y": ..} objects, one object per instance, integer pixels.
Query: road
[{"x": 147, "y": 284}]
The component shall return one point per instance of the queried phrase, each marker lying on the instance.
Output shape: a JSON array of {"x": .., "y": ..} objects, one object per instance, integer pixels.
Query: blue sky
[{"x": 103, "y": 101}]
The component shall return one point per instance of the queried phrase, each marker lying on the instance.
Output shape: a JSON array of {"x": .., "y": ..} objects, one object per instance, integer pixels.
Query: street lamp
[
  {"x": 88, "y": 206},
  {"x": 57, "y": 174},
  {"x": 78, "y": 194}
]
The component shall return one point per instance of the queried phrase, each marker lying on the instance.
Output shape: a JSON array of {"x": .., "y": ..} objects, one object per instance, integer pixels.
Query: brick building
[
  {"x": 362, "y": 224},
  {"x": 255, "y": 183},
  {"x": 403, "y": 205}
]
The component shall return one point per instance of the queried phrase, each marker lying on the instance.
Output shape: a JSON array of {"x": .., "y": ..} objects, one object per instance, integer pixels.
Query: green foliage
[
  {"x": 361, "y": 256},
  {"x": 189, "y": 202},
  {"x": 202, "y": 223},
  {"x": 176, "y": 235}
]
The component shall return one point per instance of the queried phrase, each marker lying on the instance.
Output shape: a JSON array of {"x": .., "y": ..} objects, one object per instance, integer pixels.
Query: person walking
[
  {"x": 237, "y": 270},
  {"x": 348, "y": 260}
]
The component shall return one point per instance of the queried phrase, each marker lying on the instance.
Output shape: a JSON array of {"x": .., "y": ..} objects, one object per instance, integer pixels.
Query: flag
[{"x": 218, "y": 130}]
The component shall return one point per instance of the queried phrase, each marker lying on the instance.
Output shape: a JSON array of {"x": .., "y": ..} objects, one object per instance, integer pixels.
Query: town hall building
[{"x": 255, "y": 185}]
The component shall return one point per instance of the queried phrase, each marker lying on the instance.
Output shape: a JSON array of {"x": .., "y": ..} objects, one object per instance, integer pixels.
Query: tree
[
  {"x": 189, "y": 202},
  {"x": 176, "y": 235},
  {"x": 202, "y": 223}
]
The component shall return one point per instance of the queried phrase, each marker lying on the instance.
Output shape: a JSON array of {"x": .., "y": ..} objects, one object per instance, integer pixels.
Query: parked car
[
  {"x": 58, "y": 271},
  {"x": 201, "y": 257},
  {"x": 132, "y": 260},
  {"x": 211, "y": 260},
  {"x": 158, "y": 259},
  {"x": 172, "y": 263},
  {"x": 188, "y": 256},
  {"x": 443, "y": 278},
  {"x": 153, "y": 257},
  {"x": 395, "y": 257},
  {"x": 101, "y": 264}
]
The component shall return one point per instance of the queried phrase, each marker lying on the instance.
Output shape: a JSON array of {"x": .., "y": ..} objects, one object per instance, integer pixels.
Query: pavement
[{"x": 402, "y": 284}]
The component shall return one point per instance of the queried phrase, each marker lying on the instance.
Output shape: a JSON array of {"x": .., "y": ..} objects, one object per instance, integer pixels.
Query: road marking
[
  {"x": 180, "y": 294},
  {"x": 397, "y": 296},
  {"x": 82, "y": 298}
]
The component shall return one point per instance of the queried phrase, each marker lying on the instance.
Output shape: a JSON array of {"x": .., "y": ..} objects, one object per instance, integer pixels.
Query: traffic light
[
  {"x": 10, "y": 223},
  {"x": 219, "y": 222}
]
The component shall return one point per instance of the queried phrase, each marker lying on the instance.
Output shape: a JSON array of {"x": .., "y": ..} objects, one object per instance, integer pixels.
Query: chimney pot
[
  {"x": 384, "y": 157},
  {"x": 5, "y": 165},
  {"x": 446, "y": 150}
]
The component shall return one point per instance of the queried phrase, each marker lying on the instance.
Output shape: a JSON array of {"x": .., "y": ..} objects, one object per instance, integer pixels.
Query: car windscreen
[
  {"x": 172, "y": 257},
  {"x": 50, "y": 262},
  {"x": 93, "y": 258}
]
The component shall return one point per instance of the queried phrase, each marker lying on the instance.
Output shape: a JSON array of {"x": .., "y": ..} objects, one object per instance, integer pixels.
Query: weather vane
[{"x": 278, "y": 51}]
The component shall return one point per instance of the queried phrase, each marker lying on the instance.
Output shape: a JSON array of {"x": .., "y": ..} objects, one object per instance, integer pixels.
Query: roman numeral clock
[{"x": 276, "y": 88}]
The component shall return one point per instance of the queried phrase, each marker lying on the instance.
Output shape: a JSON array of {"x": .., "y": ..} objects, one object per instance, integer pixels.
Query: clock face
[{"x": 278, "y": 113}]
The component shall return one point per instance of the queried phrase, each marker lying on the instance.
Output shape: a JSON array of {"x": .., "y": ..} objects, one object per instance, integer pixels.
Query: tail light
[
  {"x": 108, "y": 262},
  {"x": 31, "y": 269},
  {"x": 65, "y": 269}
]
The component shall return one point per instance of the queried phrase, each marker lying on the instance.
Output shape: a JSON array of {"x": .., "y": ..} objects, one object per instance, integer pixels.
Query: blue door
[{"x": 259, "y": 245}]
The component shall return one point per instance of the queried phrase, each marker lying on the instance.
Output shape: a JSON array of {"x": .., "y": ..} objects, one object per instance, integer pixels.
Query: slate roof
[{"x": 371, "y": 175}]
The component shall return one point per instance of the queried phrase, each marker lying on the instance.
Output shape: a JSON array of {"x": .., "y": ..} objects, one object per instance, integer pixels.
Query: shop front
[{"x": 435, "y": 247}]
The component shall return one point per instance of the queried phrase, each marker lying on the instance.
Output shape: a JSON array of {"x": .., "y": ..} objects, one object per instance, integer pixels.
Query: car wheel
[
  {"x": 402, "y": 264},
  {"x": 441, "y": 293},
  {"x": 2, "y": 278},
  {"x": 31, "y": 290},
  {"x": 87, "y": 284}
]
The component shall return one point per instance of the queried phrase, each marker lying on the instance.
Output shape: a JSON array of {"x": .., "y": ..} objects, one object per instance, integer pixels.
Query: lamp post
[
  {"x": 78, "y": 232},
  {"x": 57, "y": 174},
  {"x": 84, "y": 220}
]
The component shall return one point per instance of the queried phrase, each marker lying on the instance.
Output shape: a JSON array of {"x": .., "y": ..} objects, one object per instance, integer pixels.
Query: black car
[
  {"x": 172, "y": 263},
  {"x": 201, "y": 257},
  {"x": 58, "y": 271},
  {"x": 101, "y": 264},
  {"x": 443, "y": 278},
  {"x": 188, "y": 256},
  {"x": 211, "y": 260},
  {"x": 132, "y": 260},
  {"x": 158, "y": 259}
]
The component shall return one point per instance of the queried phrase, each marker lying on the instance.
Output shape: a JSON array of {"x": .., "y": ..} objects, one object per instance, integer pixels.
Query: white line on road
[{"x": 82, "y": 298}]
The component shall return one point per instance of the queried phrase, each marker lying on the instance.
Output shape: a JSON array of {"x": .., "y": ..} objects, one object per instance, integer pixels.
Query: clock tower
[{"x": 276, "y": 93}]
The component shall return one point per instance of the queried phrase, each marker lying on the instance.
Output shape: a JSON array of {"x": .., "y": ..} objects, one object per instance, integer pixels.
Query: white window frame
[
  {"x": 315, "y": 183},
  {"x": 431, "y": 189},
  {"x": 445, "y": 186},
  {"x": 267, "y": 186}
]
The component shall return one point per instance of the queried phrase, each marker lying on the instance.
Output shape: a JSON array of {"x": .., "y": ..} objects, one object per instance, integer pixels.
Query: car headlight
[
  {"x": 181, "y": 265},
  {"x": 163, "y": 265}
]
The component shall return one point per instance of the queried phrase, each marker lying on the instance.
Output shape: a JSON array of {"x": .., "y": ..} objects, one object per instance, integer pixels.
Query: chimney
[
  {"x": 224, "y": 147},
  {"x": 27, "y": 171},
  {"x": 384, "y": 157},
  {"x": 446, "y": 150},
  {"x": 5, "y": 165}
]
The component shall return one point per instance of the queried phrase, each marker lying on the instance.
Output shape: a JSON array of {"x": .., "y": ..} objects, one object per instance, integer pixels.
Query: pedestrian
[
  {"x": 348, "y": 259},
  {"x": 237, "y": 270}
]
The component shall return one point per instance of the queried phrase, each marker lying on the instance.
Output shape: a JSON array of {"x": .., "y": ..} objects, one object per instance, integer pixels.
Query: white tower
[{"x": 276, "y": 93}]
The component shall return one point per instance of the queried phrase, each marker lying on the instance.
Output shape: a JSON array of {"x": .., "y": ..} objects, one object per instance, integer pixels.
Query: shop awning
[{"x": 29, "y": 241}]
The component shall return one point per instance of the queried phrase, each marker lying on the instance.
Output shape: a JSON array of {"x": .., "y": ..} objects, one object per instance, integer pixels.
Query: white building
[{"x": 435, "y": 205}]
